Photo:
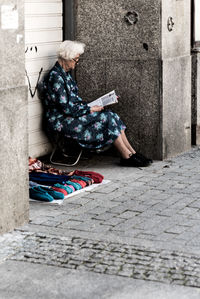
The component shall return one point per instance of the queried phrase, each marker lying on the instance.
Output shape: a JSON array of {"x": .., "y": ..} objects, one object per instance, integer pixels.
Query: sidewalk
[{"x": 136, "y": 237}]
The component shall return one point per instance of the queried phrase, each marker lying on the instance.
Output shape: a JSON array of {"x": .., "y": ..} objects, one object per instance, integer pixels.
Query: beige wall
[{"x": 43, "y": 34}]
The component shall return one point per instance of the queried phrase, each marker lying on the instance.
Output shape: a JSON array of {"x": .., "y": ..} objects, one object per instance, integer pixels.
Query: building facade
[{"x": 140, "y": 48}]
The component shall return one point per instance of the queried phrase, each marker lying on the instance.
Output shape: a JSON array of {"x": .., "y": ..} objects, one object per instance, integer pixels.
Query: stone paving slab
[
  {"x": 146, "y": 210},
  {"x": 153, "y": 205},
  {"x": 10, "y": 244},
  {"x": 21, "y": 280},
  {"x": 111, "y": 258}
]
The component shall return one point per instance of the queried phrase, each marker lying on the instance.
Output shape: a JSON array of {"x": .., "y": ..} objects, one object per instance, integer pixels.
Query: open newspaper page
[{"x": 105, "y": 100}]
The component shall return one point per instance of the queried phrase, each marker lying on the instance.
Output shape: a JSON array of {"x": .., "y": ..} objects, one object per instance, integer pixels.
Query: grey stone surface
[
  {"x": 158, "y": 204},
  {"x": 110, "y": 258},
  {"x": 128, "y": 58},
  {"x": 14, "y": 126},
  {"x": 176, "y": 105},
  {"x": 109, "y": 36},
  {"x": 195, "y": 98},
  {"x": 12, "y": 61},
  {"x": 130, "y": 79},
  {"x": 173, "y": 43},
  {"x": 139, "y": 101},
  {"x": 13, "y": 153},
  {"x": 42, "y": 281},
  {"x": 141, "y": 225},
  {"x": 150, "y": 105},
  {"x": 87, "y": 75},
  {"x": 198, "y": 100},
  {"x": 194, "y": 92}
]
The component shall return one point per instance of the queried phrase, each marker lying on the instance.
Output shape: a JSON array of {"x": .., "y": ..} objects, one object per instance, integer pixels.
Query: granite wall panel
[
  {"x": 139, "y": 90},
  {"x": 151, "y": 109},
  {"x": 91, "y": 78},
  {"x": 125, "y": 76},
  {"x": 101, "y": 25},
  {"x": 129, "y": 59},
  {"x": 198, "y": 89},
  {"x": 196, "y": 98},
  {"x": 198, "y": 101}
]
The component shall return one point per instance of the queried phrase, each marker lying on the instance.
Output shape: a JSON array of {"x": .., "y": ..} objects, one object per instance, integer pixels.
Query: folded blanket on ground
[{"x": 47, "y": 183}]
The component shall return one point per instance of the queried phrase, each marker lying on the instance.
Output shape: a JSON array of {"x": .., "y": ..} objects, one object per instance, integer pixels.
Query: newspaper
[{"x": 105, "y": 100}]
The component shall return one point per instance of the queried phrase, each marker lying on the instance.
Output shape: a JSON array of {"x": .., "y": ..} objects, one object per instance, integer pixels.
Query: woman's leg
[
  {"x": 122, "y": 148},
  {"x": 129, "y": 156},
  {"x": 126, "y": 142}
]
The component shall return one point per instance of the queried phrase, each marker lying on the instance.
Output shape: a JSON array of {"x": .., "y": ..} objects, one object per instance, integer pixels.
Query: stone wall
[
  {"x": 196, "y": 98},
  {"x": 14, "y": 205},
  {"x": 125, "y": 58},
  {"x": 135, "y": 61},
  {"x": 176, "y": 81}
]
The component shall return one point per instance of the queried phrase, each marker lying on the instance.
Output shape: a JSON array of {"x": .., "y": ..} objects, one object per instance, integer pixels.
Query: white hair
[{"x": 70, "y": 49}]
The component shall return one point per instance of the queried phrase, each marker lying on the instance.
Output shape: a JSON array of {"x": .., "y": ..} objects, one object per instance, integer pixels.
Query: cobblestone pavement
[
  {"x": 144, "y": 224},
  {"x": 111, "y": 258}
]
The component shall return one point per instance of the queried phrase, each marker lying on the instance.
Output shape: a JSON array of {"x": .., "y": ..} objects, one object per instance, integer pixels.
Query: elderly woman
[{"x": 67, "y": 113}]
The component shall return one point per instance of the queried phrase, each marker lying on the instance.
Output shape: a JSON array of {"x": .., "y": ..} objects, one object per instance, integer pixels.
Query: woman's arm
[
  {"x": 96, "y": 108},
  {"x": 69, "y": 103}
]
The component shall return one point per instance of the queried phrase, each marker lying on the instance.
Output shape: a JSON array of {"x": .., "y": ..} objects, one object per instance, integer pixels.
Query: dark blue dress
[{"x": 67, "y": 113}]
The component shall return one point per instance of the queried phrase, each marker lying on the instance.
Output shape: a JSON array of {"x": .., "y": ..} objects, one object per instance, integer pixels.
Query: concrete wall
[
  {"x": 176, "y": 80},
  {"x": 136, "y": 61},
  {"x": 14, "y": 205}
]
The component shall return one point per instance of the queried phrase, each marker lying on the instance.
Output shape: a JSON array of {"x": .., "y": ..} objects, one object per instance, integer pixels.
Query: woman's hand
[{"x": 96, "y": 109}]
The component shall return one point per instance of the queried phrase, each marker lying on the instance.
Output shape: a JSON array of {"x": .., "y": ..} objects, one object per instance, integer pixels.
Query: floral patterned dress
[{"x": 67, "y": 113}]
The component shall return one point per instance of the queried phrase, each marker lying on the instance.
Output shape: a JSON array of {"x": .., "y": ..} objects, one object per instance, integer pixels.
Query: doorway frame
[{"x": 68, "y": 20}]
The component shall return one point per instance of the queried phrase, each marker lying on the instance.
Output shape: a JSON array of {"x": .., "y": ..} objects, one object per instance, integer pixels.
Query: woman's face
[
  {"x": 71, "y": 64},
  {"x": 75, "y": 61}
]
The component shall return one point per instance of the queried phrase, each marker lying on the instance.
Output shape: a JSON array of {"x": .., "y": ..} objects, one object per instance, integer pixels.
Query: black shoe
[
  {"x": 140, "y": 156},
  {"x": 134, "y": 161}
]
